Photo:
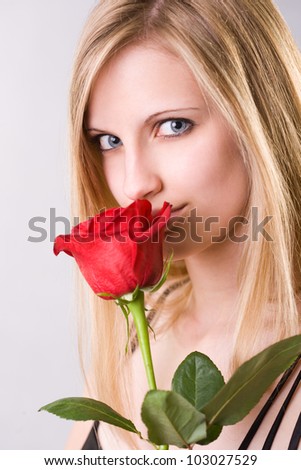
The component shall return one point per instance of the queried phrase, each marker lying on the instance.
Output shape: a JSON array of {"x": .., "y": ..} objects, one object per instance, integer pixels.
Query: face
[{"x": 160, "y": 139}]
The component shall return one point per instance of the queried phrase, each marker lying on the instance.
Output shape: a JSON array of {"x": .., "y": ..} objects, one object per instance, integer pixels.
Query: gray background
[{"x": 38, "y": 343}]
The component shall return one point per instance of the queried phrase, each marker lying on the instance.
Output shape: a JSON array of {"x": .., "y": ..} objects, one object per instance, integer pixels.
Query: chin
[{"x": 181, "y": 249}]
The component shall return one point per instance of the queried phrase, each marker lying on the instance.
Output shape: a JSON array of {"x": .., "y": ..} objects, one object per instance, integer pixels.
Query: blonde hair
[{"x": 244, "y": 58}]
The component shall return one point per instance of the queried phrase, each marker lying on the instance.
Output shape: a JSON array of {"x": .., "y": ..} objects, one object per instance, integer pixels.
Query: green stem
[{"x": 137, "y": 309}]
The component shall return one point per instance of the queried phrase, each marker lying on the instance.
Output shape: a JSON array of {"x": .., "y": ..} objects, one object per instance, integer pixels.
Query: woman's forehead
[{"x": 143, "y": 76}]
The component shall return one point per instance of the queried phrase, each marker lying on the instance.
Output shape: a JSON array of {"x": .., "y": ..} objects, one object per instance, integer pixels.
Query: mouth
[{"x": 178, "y": 210}]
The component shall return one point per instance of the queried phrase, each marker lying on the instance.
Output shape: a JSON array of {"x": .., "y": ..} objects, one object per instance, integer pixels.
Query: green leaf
[
  {"x": 85, "y": 409},
  {"x": 171, "y": 419},
  {"x": 197, "y": 379},
  {"x": 213, "y": 433},
  {"x": 106, "y": 294},
  {"x": 245, "y": 388}
]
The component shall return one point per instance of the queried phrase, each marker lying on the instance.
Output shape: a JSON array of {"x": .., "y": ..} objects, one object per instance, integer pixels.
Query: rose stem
[{"x": 138, "y": 311}]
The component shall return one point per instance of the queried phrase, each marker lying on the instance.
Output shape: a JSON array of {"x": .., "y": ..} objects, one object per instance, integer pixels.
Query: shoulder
[
  {"x": 78, "y": 435},
  {"x": 280, "y": 427},
  {"x": 289, "y": 412}
]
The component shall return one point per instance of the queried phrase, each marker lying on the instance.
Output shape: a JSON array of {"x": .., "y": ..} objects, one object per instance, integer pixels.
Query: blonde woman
[{"x": 198, "y": 103}]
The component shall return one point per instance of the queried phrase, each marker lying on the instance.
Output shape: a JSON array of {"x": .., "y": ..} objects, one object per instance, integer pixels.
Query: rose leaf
[{"x": 171, "y": 419}]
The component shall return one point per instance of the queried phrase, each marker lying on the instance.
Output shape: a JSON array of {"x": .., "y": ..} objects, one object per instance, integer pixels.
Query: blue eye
[
  {"x": 109, "y": 142},
  {"x": 174, "y": 127}
]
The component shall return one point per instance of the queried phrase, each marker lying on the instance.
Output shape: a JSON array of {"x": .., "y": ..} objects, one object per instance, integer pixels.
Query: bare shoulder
[
  {"x": 274, "y": 423},
  {"x": 281, "y": 427},
  {"x": 289, "y": 412}
]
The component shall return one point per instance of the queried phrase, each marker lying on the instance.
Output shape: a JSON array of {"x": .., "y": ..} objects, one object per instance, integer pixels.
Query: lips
[
  {"x": 177, "y": 215},
  {"x": 176, "y": 211}
]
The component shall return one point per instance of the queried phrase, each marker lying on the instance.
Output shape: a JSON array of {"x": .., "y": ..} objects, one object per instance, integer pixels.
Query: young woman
[{"x": 198, "y": 103}]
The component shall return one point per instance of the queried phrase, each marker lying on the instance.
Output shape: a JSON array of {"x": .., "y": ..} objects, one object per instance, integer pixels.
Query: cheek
[
  {"x": 231, "y": 179},
  {"x": 225, "y": 179},
  {"x": 218, "y": 180},
  {"x": 113, "y": 172}
]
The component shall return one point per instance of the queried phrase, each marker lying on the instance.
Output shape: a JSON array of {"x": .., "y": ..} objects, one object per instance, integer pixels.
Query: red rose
[{"x": 119, "y": 249}]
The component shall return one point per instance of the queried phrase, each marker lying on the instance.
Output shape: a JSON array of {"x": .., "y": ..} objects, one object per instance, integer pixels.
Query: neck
[{"x": 213, "y": 273}]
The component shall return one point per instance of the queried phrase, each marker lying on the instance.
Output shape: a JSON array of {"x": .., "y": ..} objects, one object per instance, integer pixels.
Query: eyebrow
[
  {"x": 152, "y": 116},
  {"x": 168, "y": 111}
]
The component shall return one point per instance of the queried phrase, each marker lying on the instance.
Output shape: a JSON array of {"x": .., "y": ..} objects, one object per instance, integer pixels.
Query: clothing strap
[
  {"x": 271, "y": 436},
  {"x": 253, "y": 429},
  {"x": 296, "y": 436},
  {"x": 92, "y": 441}
]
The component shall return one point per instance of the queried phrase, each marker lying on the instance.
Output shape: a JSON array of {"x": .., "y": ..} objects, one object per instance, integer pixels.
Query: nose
[{"x": 141, "y": 178}]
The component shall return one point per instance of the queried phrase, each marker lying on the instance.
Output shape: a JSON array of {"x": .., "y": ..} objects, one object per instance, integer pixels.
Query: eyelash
[
  {"x": 96, "y": 139},
  {"x": 190, "y": 123}
]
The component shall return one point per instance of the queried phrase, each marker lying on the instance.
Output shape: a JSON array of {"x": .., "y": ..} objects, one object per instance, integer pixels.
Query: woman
[{"x": 197, "y": 103}]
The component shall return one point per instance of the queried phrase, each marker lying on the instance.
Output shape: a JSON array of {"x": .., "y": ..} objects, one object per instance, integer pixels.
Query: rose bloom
[{"x": 119, "y": 249}]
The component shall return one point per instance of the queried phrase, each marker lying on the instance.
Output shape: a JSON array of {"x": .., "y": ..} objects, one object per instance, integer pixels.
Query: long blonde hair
[{"x": 242, "y": 54}]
